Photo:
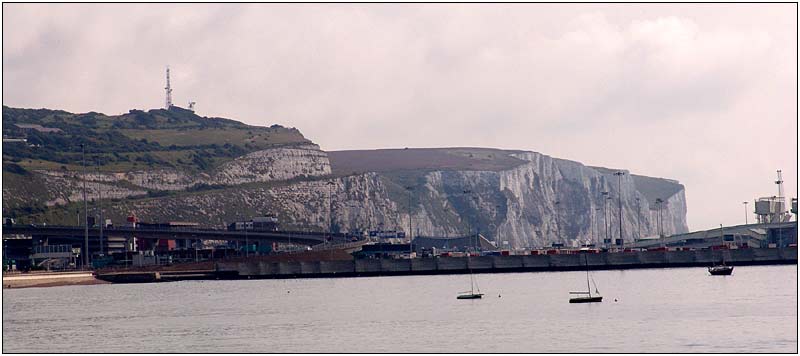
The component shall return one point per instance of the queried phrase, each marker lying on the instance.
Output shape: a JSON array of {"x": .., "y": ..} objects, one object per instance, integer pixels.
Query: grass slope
[{"x": 174, "y": 138}]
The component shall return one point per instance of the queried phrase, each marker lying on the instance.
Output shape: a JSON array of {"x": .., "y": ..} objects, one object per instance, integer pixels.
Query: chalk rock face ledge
[
  {"x": 516, "y": 198},
  {"x": 275, "y": 164},
  {"x": 538, "y": 201}
]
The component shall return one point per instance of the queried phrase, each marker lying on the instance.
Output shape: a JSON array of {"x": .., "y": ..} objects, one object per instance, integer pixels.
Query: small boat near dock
[
  {"x": 720, "y": 270},
  {"x": 471, "y": 294},
  {"x": 587, "y": 297}
]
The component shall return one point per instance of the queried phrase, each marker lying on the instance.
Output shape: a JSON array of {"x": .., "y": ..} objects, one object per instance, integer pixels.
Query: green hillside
[{"x": 174, "y": 138}]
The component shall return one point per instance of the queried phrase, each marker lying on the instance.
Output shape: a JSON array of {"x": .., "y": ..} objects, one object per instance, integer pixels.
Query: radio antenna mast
[{"x": 168, "y": 89}]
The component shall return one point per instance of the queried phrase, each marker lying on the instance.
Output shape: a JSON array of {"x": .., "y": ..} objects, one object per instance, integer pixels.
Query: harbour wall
[{"x": 499, "y": 264}]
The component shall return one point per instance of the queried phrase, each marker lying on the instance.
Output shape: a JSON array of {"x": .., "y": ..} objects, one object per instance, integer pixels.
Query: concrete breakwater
[
  {"x": 48, "y": 279},
  {"x": 498, "y": 264}
]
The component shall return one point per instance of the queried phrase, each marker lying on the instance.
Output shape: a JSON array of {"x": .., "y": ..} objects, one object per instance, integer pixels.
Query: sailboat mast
[
  {"x": 588, "y": 288},
  {"x": 471, "y": 283}
]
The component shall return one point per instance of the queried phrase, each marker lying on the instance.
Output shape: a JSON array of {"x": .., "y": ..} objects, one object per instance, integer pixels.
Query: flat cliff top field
[{"x": 389, "y": 160}]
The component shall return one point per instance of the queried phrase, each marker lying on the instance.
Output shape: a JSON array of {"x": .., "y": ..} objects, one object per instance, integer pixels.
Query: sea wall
[{"x": 499, "y": 264}]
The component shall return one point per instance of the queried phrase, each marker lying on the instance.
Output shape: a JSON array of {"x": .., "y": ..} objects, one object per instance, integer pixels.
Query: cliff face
[
  {"x": 276, "y": 164},
  {"x": 273, "y": 165},
  {"x": 533, "y": 204},
  {"x": 542, "y": 201},
  {"x": 214, "y": 171}
]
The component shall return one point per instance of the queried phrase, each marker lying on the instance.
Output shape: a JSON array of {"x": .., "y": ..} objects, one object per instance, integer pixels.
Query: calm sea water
[{"x": 657, "y": 310}]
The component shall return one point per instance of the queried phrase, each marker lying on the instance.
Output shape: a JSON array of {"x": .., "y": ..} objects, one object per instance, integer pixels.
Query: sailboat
[
  {"x": 587, "y": 297},
  {"x": 471, "y": 293},
  {"x": 472, "y": 287},
  {"x": 720, "y": 269}
]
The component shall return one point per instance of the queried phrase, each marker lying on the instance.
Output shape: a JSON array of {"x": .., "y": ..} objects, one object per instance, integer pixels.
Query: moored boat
[
  {"x": 587, "y": 297},
  {"x": 471, "y": 294},
  {"x": 721, "y": 270}
]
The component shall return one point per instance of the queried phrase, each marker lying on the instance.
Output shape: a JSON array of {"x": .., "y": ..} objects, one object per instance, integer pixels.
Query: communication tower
[{"x": 168, "y": 89}]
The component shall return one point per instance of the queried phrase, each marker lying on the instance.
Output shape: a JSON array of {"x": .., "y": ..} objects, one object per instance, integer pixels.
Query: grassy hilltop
[{"x": 174, "y": 138}]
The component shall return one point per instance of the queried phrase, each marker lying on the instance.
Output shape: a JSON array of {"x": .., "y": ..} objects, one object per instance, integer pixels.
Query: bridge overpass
[{"x": 77, "y": 233}]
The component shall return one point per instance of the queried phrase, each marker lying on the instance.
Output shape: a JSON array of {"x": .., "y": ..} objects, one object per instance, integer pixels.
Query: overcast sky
[{"x": 701, "y": 93}]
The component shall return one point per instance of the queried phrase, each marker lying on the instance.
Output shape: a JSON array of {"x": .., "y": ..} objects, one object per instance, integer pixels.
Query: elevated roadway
[
  {"x": 77, "y": 232},
  {"x": 754, "y": 235}
]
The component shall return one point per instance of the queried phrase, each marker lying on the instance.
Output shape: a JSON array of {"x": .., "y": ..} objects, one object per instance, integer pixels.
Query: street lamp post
[
  {"x": 596, "y": 226},
  {"x": 592, "y": 222},
  {"x": 100, "y": 207},
  {"x": 638, "y": 220},
  {"x": 468, "y": 195},
  {"x": 610, "y": 212},
  {"x": 745, "y": 212},
  {"x": 619, "y": 175},
  {"x": 558, "y": 232},
  {"x": 605, "y": 218},
  {"x": 85, "y": 213},
  {"x": 410, "y": 229},
  {"x": 658, "y": 221},
  {"x": 498, "y": 238},
  {"x": 330, "y": 213}
]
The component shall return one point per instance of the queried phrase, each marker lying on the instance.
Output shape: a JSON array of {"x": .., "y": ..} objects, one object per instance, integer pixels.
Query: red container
[
  {"x": 165, "y": 245},
  {"x": 505, "y": 253}
]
